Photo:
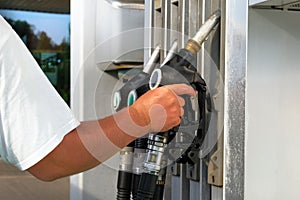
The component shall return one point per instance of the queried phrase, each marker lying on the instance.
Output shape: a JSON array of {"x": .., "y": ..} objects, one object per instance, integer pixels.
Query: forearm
[
  {"x": 88, "y": 145},
  {"x": 94, "y": 142}
]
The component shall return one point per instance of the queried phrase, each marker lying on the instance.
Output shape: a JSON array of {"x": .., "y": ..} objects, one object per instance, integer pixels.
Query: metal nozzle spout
[
  {"x": 194, "y": 44},
  {"x": 150, "y": 65}
]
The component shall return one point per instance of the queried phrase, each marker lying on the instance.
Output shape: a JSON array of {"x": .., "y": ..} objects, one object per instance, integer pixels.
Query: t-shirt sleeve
[{"x": 33, "y": 118}]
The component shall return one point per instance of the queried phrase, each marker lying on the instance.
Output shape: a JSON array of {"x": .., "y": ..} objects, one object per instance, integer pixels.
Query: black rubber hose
[
  {"x": 140, "y": 143},
  {"x": 159, "y": 192},
  {"x": 147, "y": 187},
  {"x": 135, "y": 185},
  {"x": 124, "y": 185}
]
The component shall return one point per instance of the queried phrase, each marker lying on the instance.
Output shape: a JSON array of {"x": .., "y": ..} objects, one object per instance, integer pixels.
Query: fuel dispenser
[
  {"x": 177, "y": 67},
  {"x": 250, "y": 66},
  {"x": 176, "y": 41}
]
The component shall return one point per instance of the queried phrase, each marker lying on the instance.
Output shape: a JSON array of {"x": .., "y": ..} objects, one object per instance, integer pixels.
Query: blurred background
[{"x": 44, "y": 27}]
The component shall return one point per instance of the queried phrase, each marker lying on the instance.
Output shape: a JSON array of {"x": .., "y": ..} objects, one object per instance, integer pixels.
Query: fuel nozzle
[
  {"x": 194, "y": 44},
  {"x": 178, "y": 68}
]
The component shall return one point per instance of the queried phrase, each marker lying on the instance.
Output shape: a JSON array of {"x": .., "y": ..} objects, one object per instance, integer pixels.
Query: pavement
[{"x": 17, "y": 185}]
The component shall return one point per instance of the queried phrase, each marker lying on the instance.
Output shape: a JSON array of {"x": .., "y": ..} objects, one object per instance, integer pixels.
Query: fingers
[
  {"x": 181, "y": 89},
  {"x": 181, "y": 104}
]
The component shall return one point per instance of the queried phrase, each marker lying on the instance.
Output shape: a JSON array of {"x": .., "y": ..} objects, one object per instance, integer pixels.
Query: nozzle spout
[{"x": 194, "y": 44}]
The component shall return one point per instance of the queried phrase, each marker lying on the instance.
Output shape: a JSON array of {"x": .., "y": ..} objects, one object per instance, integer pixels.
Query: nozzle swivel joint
[{"x": 194, "y": 44}]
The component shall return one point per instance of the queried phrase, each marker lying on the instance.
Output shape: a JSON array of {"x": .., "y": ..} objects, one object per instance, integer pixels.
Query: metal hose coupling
[
  {"x": 194, "y": 44},
  {"x": 156, "y": 147},
  {"x": 125, "y": 174},
  {"x": 152, "y": 166}
]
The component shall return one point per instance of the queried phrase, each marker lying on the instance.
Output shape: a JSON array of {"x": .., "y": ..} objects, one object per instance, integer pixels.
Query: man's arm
[{"x": 94, "y": 142}]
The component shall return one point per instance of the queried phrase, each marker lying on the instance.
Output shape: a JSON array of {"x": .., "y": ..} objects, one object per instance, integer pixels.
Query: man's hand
[
  {"x": 95, "y": 141},
  {"x": 161, "y": 109}
]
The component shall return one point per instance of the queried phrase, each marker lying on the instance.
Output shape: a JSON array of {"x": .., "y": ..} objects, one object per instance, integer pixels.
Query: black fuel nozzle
[{"x": 179, "y": 68}]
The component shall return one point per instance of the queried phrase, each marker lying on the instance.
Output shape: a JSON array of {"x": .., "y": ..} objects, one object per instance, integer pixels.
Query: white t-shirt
[{"x": 33, "y": 117}]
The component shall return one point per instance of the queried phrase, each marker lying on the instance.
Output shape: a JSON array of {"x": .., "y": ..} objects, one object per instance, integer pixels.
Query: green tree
[
  {"x": 25, "y": 32},
  {"x": 40, "y": 43},
  {"x": 45, "y": 42}
]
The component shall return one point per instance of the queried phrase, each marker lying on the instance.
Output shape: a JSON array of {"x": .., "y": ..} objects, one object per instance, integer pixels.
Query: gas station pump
[
  {"x": 149, "y": 181},
  {"x": 253, "y": 53}
]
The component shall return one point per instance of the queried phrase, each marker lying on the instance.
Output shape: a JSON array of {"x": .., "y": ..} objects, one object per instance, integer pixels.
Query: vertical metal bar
[
  {"x": 168, "y": 185},
  {"x": 236, "y": 31},
  {"x": 194, "y": 190},
  {"x": 174, "y": 22},
  {"x": 149, "y": 32},
  {"x": 192, "y": 17},
  {"x": 188, "y": 20},
  {"x": 201, "y": 190},
  {"x": 166, "y": 25},
  {"x": 157, "y": 37},
  {"x": 185, "y": 184},
  {"x": 201, "y": 18},
  {"x": 216, "y": 193},
  {"x": 180, "y": 185},
  {"x": 175, "y": 191},
  {"x": 183, "y": 22},
  {"x": 205, "y": 188},
  {"x": 222, "y": 72}
]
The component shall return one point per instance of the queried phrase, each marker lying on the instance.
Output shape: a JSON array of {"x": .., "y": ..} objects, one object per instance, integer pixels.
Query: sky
[{"x": 55, "y": 25}]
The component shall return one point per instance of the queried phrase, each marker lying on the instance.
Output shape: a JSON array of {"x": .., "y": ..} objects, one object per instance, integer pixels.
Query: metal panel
[
  {"x": 272, "y": 142},
  {"x": 89, "y": 87},
  {"x": 79, "y": 51},
  {"x": 235, "y": 43},
  {"x": 121, "y": 38}
]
